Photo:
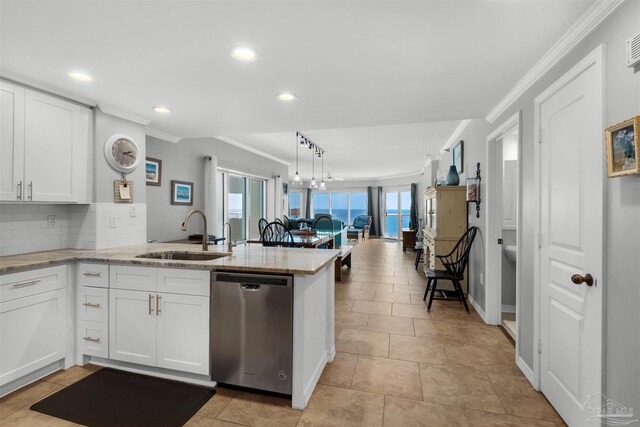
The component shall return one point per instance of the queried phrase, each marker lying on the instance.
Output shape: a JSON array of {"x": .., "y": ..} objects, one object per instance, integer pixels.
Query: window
[
  {"x": 397, "y": 212},
  {"x": 340, "y": 206},
  {"x": 295, "y": 204},
  {"x": 357, "y": 205},
  {"x": 243, "y": 204},
  {"x": 321, "y": 203}
]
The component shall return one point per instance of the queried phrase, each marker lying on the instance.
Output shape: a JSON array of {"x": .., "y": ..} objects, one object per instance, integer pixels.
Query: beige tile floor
[{"x": 396, "y": 365}]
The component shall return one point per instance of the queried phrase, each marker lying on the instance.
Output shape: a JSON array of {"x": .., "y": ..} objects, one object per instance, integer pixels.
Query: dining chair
[
  {"x": 455, "y": 264},
  {"x": 276, "y": 234},
  {"x": 262, "y": 223}
]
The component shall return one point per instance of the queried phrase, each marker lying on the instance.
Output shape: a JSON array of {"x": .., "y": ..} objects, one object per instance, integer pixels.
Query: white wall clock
[{"x": 122, "y": 153}]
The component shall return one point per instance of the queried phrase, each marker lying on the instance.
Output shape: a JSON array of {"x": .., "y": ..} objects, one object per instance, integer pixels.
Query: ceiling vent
[{"x": 633, "y": 51}]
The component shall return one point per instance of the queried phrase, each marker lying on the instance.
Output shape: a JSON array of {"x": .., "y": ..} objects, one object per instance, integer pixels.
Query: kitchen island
[{"x": 107, "y": 273}]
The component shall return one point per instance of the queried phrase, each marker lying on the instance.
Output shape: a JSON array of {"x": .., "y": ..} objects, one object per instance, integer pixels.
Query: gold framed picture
[{"x": 621, "y": 141}]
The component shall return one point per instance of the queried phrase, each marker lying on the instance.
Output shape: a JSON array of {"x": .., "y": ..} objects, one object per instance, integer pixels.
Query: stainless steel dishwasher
[{"x": 252, "y": 331}]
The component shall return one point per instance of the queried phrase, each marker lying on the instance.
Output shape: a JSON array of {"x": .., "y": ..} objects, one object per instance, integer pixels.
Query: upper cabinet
[{"x": 44, "y": 147}]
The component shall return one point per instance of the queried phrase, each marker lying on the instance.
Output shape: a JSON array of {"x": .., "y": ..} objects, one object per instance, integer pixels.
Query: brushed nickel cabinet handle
[
  {"x": 26, "y": 283},
  {"x": 150, "y": 304},
  {"x": 19, "y": 197},
  {"x": 158, "y": 310},
  {"x": 92, "y": 274},
  {"x": 91, "y": 339},
  {"x": 88, "y": 304},
  {"x": 31, "y": 190}
]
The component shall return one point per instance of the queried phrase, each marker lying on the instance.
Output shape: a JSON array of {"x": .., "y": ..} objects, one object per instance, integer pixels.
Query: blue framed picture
[
  {"x": 153, "y": 171},
  {"x": 181, "y": 193},
  {"x": 458, "y": 157}
]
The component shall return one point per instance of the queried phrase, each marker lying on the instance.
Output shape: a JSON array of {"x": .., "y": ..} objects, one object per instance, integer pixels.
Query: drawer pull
[
  {"x": 91, "y": 339},
  {"x": 92, "y": 274},
  {"x": 88, "y": 304},
  {"x": 150, "y": 304},
  {"x": 26, "y": 283},
  {"x": 158, "y": 309}
]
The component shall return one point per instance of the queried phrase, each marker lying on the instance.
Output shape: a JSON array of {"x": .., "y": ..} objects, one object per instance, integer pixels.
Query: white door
[
  {"x": 571, "y": 227},
  {"x": 11, "y": 142},
  {"x": 132, "y": 326},
  {"x": 56, "y": 139},
  {"x": 183, "y": 333},
  {"x": 33, "y": 333}
]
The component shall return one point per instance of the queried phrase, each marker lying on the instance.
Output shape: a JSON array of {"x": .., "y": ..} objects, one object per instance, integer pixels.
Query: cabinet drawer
[
  {"x": 93, "y": 338},
  {"x": 93, "y": 304},
  {"x": 186, "y": 282},
  {"x": 133, "y": 278},
  {"x": 26, "y": 283},
  {"x": 88, "y": 274}
]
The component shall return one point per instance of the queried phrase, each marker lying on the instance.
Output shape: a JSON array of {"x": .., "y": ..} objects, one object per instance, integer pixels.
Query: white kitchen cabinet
[
  {"x": 33, "y": 321},
  {"x": 11, "y": 141},
  {"x": 161, "y": 329},
  {"x": 183, "y": 333},
  {"x": 132, "y": 326},
  {"x": 44, "y": 147}
]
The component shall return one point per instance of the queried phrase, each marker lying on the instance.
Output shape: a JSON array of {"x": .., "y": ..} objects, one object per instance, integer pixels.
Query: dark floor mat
[{"x": 117, "y": 398}]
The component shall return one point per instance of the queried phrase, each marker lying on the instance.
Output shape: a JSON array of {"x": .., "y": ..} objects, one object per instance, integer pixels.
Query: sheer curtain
[{"x": 211, "y": 193}]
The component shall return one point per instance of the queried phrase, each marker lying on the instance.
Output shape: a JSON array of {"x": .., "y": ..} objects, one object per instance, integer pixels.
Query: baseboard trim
[
  {"x": 32, "y": 377},
  {"x": 312, "y": 384},
  {"x": 479, "y": 309},
  {"x": 527, "y": 372},
  {"x": 506, "y": 308}
]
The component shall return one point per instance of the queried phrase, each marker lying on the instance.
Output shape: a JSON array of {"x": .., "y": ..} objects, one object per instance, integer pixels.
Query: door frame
[
  {"x": 398, "y": 189},
  {"x": 493, "y": 262},
  {"x": 594, "y": 59}
]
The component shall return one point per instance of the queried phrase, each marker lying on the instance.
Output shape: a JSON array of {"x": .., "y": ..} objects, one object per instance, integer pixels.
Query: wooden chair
[
  {"x": 455, "y": 264},
  {"x": 276, "y": 234},
  {"x": 323, "y": 223}
]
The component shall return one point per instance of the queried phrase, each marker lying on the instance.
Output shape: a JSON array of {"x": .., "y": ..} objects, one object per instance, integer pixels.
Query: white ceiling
[{"x": 351, "y": 63}]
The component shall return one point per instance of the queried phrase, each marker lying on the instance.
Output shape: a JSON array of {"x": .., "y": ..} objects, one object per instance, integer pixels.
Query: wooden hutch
[{"x": 445, "y": 222}]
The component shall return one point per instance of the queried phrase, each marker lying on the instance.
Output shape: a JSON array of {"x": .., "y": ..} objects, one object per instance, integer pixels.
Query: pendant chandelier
[{"x": 316, "y": 150}]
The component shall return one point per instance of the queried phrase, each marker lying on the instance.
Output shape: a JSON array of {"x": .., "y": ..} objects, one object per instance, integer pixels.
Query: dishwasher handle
[{"x": 250, "y": 287}]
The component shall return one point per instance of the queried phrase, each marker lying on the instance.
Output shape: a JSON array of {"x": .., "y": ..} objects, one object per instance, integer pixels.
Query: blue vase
[{"x": 452, "y": 177}]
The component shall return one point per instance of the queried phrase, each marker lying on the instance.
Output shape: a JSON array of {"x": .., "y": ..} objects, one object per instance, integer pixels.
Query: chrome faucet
[
  {"x": 228, "y": 236},
  {"x": 205, "y": 236}
]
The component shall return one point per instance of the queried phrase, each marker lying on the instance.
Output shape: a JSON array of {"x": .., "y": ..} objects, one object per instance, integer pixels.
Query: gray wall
[
  {"x": 105, "y": 126},
  {"x": 184, "y": 161},
  {"x": 622, "y": 229}
]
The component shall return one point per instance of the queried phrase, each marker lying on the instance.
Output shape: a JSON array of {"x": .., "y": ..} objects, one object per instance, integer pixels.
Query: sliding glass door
[
  {"x": 245, "y": 205},
  {"x": 397, "y": 213}
]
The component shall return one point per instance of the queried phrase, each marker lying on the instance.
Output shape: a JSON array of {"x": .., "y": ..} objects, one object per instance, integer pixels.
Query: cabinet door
[
  {"x": 56, "y": 135},
  {"x": 183, "y": 333},
  {"x": 11, "y": 142},
  {"x": 33, "y": 333},
  {"x": 132, "y": 326}
]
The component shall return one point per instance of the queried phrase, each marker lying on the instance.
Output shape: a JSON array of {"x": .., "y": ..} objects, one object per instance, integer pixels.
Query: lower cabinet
[
  {"x": 33, "y": 321},
  {"x": 161, "y": 329}
]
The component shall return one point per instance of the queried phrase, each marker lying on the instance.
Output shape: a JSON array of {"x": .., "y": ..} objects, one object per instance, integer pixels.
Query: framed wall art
[
  {"x": 181, "y": 193},
  {"x": 458, "y": 157},
  {"x": 622, "y": 147},
  {"x": 153, "y": 171}
]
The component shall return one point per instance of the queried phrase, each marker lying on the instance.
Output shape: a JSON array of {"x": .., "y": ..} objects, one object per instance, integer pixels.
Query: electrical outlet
[
  {"x": 132, "y": 211},
  {"x": 52, "y": 221},
  {"x": 113, "y": 221}
]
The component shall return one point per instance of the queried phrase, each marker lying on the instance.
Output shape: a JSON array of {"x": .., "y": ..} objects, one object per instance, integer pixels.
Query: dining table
[{"x": 308, "y": 240}]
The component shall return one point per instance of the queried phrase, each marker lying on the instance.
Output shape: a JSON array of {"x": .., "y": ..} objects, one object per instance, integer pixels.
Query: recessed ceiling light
[
  {"x": 244, "y": 54},
  {"x": 163, "y": 110},
  {"x": 79, "y": 75},
  {"x": 286, "y": 96}
]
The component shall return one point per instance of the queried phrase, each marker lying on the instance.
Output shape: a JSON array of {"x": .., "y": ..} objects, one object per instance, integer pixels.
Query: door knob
[{"x": 578, "y": 279}]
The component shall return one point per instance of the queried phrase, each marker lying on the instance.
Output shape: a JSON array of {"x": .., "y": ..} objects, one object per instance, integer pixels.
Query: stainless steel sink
[{"x": 184, "y": 256}]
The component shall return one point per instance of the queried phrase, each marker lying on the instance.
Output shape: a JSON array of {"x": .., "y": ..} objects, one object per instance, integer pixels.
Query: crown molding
[
  {"x": 123, "y": 114},
  {"x": 162, "y": 135},
  {"x": 589, "y": 21},
  {"x": 33, "y": 84},
  {"x": 252, "y": 150},
  {"x": 456, "y": 134}
]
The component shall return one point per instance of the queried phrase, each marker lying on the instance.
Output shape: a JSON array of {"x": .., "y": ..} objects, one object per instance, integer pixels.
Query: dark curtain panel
[
  {"x": 379, "y": 213},
  {"x": 307, "y": 208},
  {"x": 413, "y": 217},
  {"x": 372, "y": 230}
]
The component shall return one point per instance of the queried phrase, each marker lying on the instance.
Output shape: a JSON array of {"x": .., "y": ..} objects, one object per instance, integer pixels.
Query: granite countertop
[{"x": 254, "y": 258}]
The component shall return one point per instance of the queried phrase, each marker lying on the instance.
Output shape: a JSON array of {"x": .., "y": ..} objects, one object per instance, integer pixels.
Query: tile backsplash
[{"x": 25, "y": 227}]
